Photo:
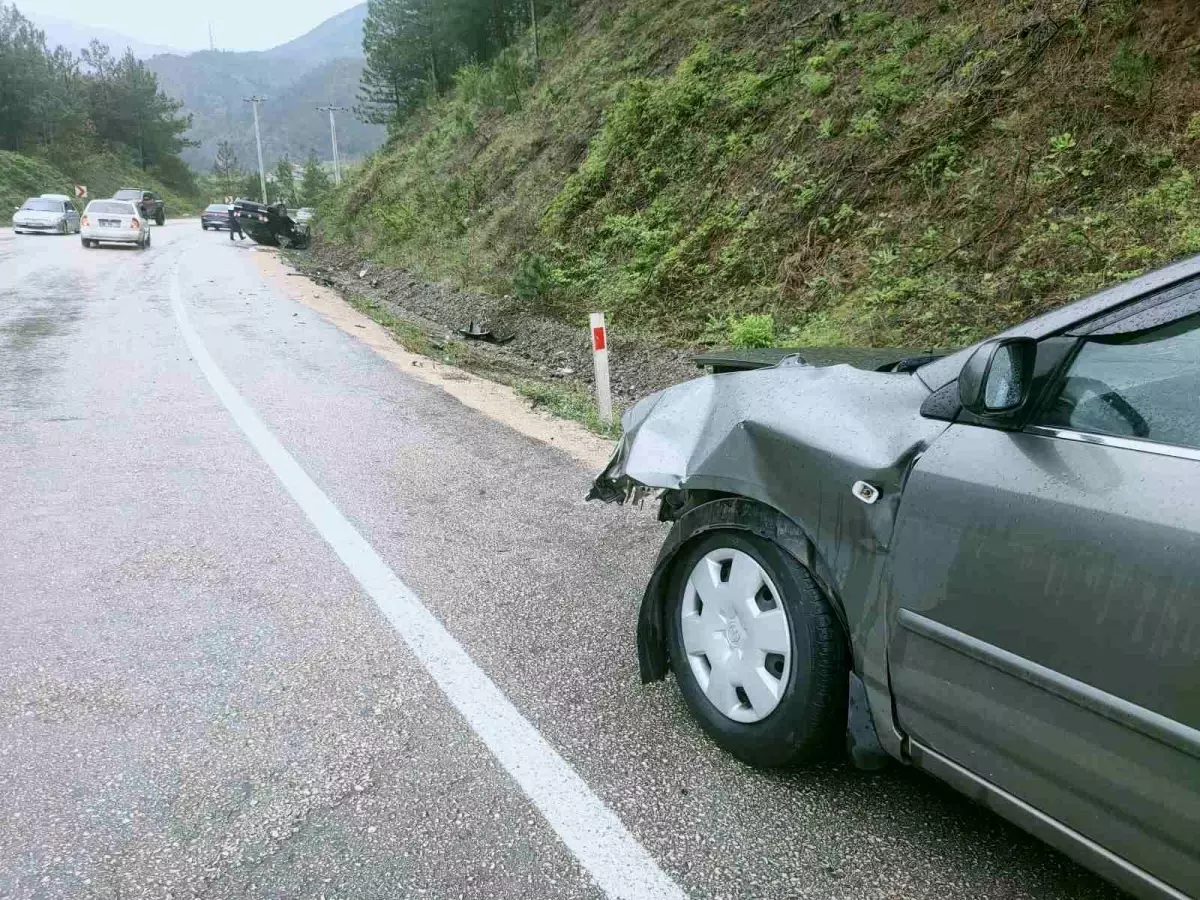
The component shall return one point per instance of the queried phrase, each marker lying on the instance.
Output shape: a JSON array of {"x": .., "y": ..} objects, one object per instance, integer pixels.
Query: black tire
[
  {"x": 810, "y": 721},
  {"x": 159, "y": 218},
  {"x": 203, "y": 227},
  {"x": 86, "y": 243}
]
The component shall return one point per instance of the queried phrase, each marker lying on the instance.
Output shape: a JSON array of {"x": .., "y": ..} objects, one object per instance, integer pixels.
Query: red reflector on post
[{"x": 599, "y": 338}]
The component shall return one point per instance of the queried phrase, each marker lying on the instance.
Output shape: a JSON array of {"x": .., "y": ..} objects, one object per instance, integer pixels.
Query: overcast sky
[{"x": 183, "y": 24}]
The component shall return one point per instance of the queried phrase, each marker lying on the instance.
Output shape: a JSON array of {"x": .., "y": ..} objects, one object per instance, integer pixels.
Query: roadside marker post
[{"x": 600, "y": 357}]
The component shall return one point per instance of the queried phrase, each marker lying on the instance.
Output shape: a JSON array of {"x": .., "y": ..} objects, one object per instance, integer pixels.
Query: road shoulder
[{"x": 497, "y": 401}]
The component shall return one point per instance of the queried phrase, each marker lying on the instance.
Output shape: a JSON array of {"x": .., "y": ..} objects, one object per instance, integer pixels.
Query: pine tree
[
  {"x": 285, "y": 182},
  {"x": 314, "y": 183},
  {"x": 401, "y": 59},
  {"x": 414, "y": 47},
  {"x": 227, "y": 169}
]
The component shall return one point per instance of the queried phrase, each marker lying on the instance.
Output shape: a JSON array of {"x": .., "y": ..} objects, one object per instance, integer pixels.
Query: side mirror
[{"x": 996, "y": 379}]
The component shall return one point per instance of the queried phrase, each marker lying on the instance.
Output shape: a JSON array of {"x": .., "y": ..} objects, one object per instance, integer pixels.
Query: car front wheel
[{"x": 759, "y": 655}]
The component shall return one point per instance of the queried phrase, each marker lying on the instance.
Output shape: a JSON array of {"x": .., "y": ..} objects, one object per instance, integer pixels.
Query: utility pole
[
  {"x": 337, "y": 164},
  {"x": 262, "y": 174}
]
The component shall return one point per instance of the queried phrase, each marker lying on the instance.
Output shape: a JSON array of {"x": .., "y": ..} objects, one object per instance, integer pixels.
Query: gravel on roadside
[{"x": 541, "y": 348}]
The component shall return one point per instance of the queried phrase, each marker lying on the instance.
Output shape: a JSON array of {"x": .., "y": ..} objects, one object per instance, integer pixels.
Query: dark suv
[{"x": 149, "y": 204}]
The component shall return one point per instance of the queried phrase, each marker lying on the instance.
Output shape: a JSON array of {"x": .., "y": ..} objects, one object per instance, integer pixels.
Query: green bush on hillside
[{"x": 752, "y": 331}]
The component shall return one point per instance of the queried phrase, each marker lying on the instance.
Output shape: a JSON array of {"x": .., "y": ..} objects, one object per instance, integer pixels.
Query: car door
[
  {"x": 72, "y": 216},
  {"x": 1044, "y": 608}
]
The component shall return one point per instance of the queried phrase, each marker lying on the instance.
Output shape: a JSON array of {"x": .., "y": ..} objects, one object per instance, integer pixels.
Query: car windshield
[
  {"x": 127, "y": 195},
  {"x": 217, "y": 208},
  {"x": 111, "y": 207},
  {"x": 43, "y": 206}
]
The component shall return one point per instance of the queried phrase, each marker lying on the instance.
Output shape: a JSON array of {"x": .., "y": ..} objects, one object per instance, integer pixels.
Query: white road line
[{"x": 591, "y": 831}]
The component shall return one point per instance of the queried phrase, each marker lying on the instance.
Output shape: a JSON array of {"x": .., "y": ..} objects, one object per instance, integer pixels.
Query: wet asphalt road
[{"x": 198, "y": 699}]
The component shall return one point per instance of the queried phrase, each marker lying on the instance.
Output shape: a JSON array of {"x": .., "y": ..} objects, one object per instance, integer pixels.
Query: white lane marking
[{"x": 591, "y": 831}]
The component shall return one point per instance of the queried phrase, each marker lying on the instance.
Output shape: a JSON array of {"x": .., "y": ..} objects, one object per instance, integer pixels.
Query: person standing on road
[{"x": 234, "y": 226}]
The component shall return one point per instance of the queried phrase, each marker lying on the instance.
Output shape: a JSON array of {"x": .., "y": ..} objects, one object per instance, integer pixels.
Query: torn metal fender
[{"x": 796, "y": 439}]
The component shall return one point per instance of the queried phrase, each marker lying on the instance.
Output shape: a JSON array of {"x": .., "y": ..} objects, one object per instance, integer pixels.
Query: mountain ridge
[
  {"x": 75, "y": 36},
  {"x": 319, "y": 68}
]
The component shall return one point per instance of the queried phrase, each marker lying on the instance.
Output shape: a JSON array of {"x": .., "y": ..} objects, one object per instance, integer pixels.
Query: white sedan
[
  {"x": 48, "y": 214},
  {"x": 114, "y": 222}
]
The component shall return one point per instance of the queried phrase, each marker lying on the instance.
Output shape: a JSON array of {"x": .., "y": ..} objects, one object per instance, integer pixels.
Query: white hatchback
[{"x": 114, "y": 222}]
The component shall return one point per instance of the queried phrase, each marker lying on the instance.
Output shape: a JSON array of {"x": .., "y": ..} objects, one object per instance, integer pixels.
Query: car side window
[{"x": 1142, "y": 385}]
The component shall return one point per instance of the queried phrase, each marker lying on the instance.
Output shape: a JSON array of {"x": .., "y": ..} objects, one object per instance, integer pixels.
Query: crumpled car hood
[
  {"x": 38, "y": 218},
  {"x": 796, "y": 438}
]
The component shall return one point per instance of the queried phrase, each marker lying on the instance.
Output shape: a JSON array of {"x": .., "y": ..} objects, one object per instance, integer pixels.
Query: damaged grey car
[{"x": 985, "y": 565}]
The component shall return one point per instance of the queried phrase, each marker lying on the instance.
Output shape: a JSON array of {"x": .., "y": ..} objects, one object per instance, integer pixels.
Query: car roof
[
  {"x": 942, "y": 371},
  {"x": 62, "y": 197}
]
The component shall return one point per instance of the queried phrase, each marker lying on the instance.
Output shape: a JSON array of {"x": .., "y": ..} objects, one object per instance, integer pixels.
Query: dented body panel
[{"x": 795, "y": 440}]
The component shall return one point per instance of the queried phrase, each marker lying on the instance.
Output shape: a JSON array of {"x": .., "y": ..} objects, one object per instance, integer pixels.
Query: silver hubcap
[{"x": 736, "y": 635}]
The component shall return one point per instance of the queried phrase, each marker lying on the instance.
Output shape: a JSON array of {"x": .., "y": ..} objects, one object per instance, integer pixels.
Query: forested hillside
[
  {"x": 95, "y": 119},
  {"x": 916, "y": 172}
]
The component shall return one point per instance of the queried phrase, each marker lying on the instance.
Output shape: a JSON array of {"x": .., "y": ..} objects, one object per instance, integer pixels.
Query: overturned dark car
[
  {"x": 270, "y": 225},
  {"x": 986, "y": 565}
]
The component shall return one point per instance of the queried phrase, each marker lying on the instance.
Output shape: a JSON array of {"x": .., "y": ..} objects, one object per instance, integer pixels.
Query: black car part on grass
[
  {"x": 479, "y": 331},
  {"x": 270, "y": 225}
]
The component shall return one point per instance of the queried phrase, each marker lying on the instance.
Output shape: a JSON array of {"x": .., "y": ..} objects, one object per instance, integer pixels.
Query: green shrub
[
  {"x": 818, "y": 84},
  {"x": 1131, "y": 73},
  {"x": 754, "y": 330},
  {"x": 865, "y": 126},
  {"x": 533, "y": 279}
]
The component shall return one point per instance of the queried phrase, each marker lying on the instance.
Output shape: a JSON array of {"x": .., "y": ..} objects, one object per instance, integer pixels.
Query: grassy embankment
[
  {"x": 26, "y": 176},
  {"x": 560, "y": 400},
  {"x": 906, "y": 173}
]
